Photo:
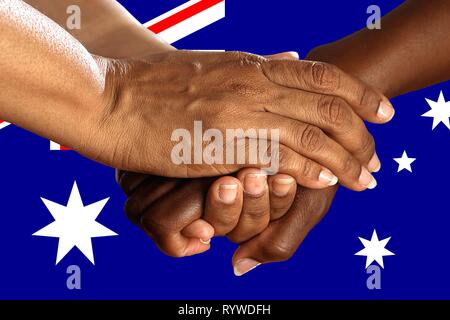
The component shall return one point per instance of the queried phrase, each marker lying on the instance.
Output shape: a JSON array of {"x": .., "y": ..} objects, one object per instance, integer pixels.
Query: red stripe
[
  {"x": 1, "y": 121},
  {"x": 62, "y": 148},
  {"x": 183, "y": 15}
]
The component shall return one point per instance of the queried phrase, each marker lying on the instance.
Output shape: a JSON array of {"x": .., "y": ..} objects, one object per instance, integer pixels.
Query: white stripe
[
  {"x": 193, "y": 24},
  {"x": 4, "y": 125},
  {"x": 55, "y": 146},
  {"x": 170, "y": 13}
]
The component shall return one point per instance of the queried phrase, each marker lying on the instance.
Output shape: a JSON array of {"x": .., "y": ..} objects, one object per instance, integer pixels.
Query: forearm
[
  {"x": 107, "y": 29},
  {"x": 411, "y": 51},
  {"x": 48, "y": 81}
]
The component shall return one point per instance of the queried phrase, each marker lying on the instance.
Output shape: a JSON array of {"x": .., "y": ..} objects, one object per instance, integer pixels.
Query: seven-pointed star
[
  {"x": 75, "y": 225},
  {"x": 374, "y": 250},
  {"x": 440, "y": 111},
  {"x": 404, "y": 162}
]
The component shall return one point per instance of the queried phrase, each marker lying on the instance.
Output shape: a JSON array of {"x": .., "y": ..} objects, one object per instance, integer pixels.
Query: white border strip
[{"x": 4, "y": 124}]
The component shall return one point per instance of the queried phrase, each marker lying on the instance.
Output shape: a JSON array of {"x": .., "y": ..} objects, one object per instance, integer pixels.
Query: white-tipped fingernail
[
  {"x": 372, "y": 184},
  {"x": 282, "y": 186},
  {"x": 228, "y": 193},
  {"x": 255, "y": 183},
  {"x": 244, "y": 266},
  {"x": 366, "y": 179},
  {"x": 205, "y": 241},
  {"x": 374, "y": 164},
  {"x": 385, "y": 111},
  {"x": 327, "y": 178},
  {"x": 294, "y": 54}
]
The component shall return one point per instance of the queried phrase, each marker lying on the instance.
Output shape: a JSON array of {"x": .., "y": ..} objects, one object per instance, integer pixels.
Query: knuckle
[
  {"x": 278, "y": 250},
  {"x": 334, "y": 111},
  {"x": 349, "y": 165},
  {"x": 223, "y": 221},
  {"x": 278, "y": 211},
  {"x": 362, "y": 95},
  {"x": 324, "y": 76},
  {"x": 311, "y": 139},
  {"x": 307, "y": 168},
  {"x": 246, "y": 59},
  {"x": 235, "y": 55},
  {"x": 256, "y": 213},
  {"x": 367, "y": 145}
]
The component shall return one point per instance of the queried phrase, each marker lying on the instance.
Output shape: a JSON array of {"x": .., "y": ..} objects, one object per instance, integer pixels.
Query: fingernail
[
  {"x": 282, "y": 186},
  {"x": 367, "y": 180},
  {"x": 327, "y": 178},
  {"x": 374, "y": 164},
  {"x": 228, "y": 193},
  {"x": 205, "y": 241},
  {"x": 385, "y": 111},
  {"x": 294, "y": 54},
  {"x": 255, "y": 183},
  {"x": 244, "y": 266}
]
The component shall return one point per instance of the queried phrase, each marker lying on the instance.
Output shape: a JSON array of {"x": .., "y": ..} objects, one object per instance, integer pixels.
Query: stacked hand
[
  {"x": 181, "y": 216},
  {"x": 124, "y": 110},
  {"x": 269, "y": 216},
  {"x": 316, "y": 107}
]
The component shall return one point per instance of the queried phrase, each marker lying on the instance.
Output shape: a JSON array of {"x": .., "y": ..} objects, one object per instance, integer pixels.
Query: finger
[
  {"x": 283, "y": 236},
  {"x": 199, "y": 229},
  {"x": 335, "y": 117},
  {"x": 223, "y": 205},
  {"x": 145, "y": 194},
  {"x": 306, "y": 172},
  {"x": 165, "y": 219},
  {"x": 255, "y": 215},
  {"x": 324, "y": 78},
  {"x": 282, "y": 190},
  {"x": 312, "y": 143},
  {"x": 289, "y": 55},
  {"x": 128, "y": 181}
]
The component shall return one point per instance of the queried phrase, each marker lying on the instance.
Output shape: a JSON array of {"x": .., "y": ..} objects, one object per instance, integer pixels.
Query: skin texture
[
  {"x": 381, "y": 59},
  {"x": 360, "y": 54},
  {"x": 116, "y": 111},
  {"x": 238, "y": 90},
  {"x": 410, "y": 52},
  {"x": 104, "y": 24}
]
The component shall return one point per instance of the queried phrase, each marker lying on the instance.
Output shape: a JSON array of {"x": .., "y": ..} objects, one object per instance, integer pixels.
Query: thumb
[
  {"x": 289, "y": 55},
  {"x": 283, "y": 236}
]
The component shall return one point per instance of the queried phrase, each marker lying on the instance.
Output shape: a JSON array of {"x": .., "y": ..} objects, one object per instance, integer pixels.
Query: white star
[
  {"x": 374, "y": 250},
  {"x": 75, "y": 225},
  {"x": 404, "y": 162},
  {"x": 440, "y": 111}
]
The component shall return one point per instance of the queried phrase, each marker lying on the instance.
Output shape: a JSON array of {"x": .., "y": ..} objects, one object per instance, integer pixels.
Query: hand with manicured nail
[
  {"x": 268, "y": 216},
  {"x": 316, "y": 107},
  {"x": 182, "y": 216}
]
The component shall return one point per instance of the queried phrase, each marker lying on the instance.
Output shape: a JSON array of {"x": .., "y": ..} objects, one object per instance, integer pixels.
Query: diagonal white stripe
[
  {"x": 4, "y": 124},
  {"x": 55, "y": 146},
  {"x": 193, "y": 24}
]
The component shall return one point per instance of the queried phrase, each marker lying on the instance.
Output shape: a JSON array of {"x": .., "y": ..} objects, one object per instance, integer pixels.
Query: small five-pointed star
[
  {"x": 75, "y": 225},
  {"x": 374, "y": 250},
  {"x": 404, "y": 163},
  {"x": 440, "y": 111}
]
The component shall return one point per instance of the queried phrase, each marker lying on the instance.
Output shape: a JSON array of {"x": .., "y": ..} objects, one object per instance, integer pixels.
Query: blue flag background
[{"x": 412, "y": 208}]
